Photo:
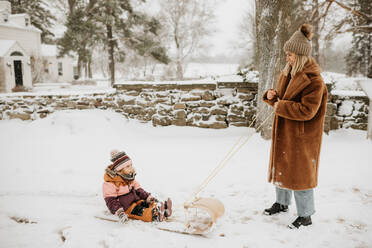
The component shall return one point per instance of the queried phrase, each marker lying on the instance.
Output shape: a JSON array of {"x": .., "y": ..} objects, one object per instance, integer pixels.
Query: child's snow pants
[{"x": 142, "y": 210}]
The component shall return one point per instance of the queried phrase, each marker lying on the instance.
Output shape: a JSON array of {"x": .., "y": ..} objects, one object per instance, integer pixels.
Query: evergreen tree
[
  {"x": 120, "y": 23},
  {"x": 39, "y": 14},
  {"x": 359, "y": 58},
  {"x": 148, "y": 44},
  {"x": 81, "y": 35}
]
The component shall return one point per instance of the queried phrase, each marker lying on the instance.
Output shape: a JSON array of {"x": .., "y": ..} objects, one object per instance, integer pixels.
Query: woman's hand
[{"x": 271, "y": 94}]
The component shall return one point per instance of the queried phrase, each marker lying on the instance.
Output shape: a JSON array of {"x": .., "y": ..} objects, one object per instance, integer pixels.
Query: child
[{"x": 124, "y": 196}]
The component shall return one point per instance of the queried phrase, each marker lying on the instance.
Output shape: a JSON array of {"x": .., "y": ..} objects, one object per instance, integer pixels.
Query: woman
[{"x": 299, "y": 104}]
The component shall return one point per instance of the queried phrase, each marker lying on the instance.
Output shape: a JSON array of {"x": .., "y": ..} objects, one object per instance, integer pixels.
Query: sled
[{"x": 205, "y": 212}]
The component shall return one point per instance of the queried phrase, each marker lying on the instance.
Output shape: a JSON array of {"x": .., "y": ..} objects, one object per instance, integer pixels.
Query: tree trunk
[
  {"x": 145, "y": 66},
  {"x": 111, "y": 44},
  {"x": 272, "y": 21},
  {"x": 153, "y": 69},
  {"x": 103, "y": 69},
  {"x": 369, "y": 63},
  {"x": 79, "y": 65},
  {"x": 90, "y": 67},
  {"x": 85, "y": 70},
  {"x": 315, "y": 23},
  {"x": 179, "y": 70},
  {"x": 71, "y": 5}
]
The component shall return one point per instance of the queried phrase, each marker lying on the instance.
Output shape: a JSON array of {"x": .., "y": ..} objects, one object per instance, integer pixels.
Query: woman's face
[{"x": 290, "y": 57}]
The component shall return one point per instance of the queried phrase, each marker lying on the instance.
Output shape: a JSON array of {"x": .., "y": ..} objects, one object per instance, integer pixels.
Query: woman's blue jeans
[{"x": 304, "y": 200}]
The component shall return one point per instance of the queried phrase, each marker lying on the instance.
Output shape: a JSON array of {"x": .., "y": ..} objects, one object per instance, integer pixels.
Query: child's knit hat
[{"x": 119, "y": 159}]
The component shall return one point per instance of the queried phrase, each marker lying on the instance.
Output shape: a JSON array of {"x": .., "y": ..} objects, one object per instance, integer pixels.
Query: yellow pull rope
[{"x": 227, "y": 157}]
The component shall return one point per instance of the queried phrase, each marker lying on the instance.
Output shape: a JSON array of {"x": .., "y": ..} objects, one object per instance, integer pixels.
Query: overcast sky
[{"x": 229, "y": 15}]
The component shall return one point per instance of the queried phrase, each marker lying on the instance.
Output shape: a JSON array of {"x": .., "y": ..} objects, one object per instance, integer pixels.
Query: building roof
[
  {"x": 12, "y": 24},
  {"x": 5, "y": 45}
]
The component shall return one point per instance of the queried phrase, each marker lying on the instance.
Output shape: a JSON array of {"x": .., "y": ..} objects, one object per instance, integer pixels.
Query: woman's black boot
[
  {"x": 301, "y": 221},
  {"x": 276, "y": 208}
]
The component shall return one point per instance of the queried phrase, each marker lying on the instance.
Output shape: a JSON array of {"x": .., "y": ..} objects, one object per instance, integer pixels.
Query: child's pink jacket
[{"x": 110, "y": 190}]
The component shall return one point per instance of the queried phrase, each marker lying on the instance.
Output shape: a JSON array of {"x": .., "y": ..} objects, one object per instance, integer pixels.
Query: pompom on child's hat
[
  {"x": 300, "y": 41},
  {"x": 119, "y": 159}
]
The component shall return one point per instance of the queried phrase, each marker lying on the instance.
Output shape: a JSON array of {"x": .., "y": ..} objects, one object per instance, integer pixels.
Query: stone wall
[
  {"x": 206, "y": 105},
  {"x": 202, "y": 105},
  {"x": 347, "y": 111}
]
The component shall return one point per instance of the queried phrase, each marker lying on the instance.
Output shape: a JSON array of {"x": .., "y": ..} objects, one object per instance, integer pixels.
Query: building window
[
  {"x": 45, "y": 66},
  {"x": 60, "y": 69},
  {"x": 5, "y": 17},
  {"x": 16, "y": 54},
  {"x": 76, "y": 72},
  {"x": 27, "y": 21}
]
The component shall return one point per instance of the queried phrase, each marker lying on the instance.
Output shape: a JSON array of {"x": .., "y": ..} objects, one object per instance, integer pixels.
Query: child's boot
[
  {"x": 161, "y": 210},
  {"x": 168, "y": 207}
]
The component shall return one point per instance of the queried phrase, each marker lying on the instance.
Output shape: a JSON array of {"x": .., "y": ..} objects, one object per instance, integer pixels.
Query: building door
[{"x": 18, "y": 72}]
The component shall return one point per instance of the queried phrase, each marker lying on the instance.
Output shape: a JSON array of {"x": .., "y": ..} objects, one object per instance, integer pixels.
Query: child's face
[{"x": 128, "y": 169}]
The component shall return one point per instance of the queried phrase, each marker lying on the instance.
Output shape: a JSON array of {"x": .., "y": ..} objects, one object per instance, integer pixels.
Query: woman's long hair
[{"x": 298, "y": 65}]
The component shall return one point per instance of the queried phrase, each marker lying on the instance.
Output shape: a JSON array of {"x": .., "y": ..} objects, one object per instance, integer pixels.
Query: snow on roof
[
  {"x": 19, "y": 14},
  {"x": 48, "y": 50},
  {"x": 5, "y": 45},
  {"x": 11, "y": 24}
]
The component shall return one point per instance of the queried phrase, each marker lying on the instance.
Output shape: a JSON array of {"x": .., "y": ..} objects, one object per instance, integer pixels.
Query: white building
[
  {"x": 21, "y": 48},
  {"x": 15, "y": 66},
  {"x": 56, "y": 69}
]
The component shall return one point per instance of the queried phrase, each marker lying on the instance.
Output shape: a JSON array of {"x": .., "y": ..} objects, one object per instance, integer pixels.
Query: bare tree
[
  {"x": 345, "y": 24},
  {"x": 299, "y": 14},
  {"x": 247, "y": 35},
  {"x": 316, "y": 33},
  {"x": 272, "y": 21},
  {"x": 188, "y": 22},
  {"x": 37, "y": 69}
]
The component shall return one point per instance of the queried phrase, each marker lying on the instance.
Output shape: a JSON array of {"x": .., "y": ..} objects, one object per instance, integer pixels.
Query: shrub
[
  {"x": 84, "y": 82},
  {"x": 21, "y": 88}
]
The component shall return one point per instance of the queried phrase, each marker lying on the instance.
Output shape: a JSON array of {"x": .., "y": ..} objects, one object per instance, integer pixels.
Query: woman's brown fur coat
[{"x": 297, "y": 129}]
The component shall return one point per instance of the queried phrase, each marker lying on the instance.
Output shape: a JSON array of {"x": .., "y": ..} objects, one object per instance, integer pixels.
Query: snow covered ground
[
  {"x": 193, "y": 71},
  {"x": 52, "y": 171},
  {"x": 341, "y": 81},
  {"x": 202, "y": 74}
]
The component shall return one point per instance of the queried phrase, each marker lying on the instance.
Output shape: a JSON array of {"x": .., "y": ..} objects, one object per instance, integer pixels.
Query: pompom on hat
[
  {"x": 119, "y": 160},
  {"x": 300, "y": 42}
]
